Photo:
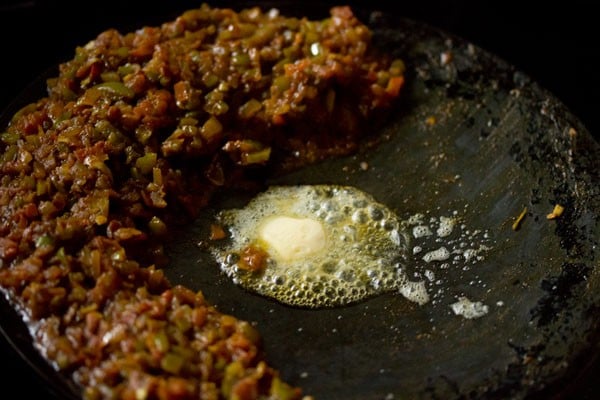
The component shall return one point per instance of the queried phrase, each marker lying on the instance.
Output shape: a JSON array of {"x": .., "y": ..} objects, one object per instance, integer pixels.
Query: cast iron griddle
[{"x": 472, "y": 137}]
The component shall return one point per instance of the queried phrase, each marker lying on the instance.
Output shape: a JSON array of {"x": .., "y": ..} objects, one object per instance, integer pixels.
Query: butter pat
[{"x": 292, "y": 238}]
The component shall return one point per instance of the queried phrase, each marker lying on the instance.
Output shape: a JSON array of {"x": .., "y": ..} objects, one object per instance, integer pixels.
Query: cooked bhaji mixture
[{"x": 137, "y": 132}]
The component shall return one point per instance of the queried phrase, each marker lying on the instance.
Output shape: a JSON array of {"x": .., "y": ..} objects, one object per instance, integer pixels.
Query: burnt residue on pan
[{"x": 476, "y": 139}]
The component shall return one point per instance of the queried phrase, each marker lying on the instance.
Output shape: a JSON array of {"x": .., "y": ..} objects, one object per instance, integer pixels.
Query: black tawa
[{"x": 472, "y": 136}]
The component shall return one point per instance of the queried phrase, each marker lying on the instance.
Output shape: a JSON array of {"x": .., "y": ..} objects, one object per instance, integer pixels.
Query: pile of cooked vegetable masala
[{"x": 136, "y": 133}]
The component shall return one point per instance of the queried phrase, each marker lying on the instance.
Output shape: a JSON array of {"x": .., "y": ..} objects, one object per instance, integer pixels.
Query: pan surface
[{"x": 472, "y": 139}]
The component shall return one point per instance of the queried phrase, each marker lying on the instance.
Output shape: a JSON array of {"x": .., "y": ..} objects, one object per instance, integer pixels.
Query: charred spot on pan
[
  {"x": 560, "y": 291},
  {"x": 516, "y": 152},
  {"x": 570, "y": 229}
]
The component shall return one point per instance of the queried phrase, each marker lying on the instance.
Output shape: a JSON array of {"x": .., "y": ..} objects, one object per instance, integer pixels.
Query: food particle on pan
[
  {"x": 326, "y": 246},
  {"x": 137, "y": 132},
  {"x": 446, "y": 57},
  {"x": 217, "y": 232},
  {"x": 430, "y": 120},
  {"x": 519, "y": 220},
  {"x": 557, "y": 211}
]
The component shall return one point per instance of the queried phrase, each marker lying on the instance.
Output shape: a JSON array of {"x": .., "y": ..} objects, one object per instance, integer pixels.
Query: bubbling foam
[{"x": 363, "y": 254}]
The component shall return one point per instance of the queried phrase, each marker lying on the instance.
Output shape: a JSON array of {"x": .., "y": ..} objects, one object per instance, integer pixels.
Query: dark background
[{"x": 554, "y": 45}]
